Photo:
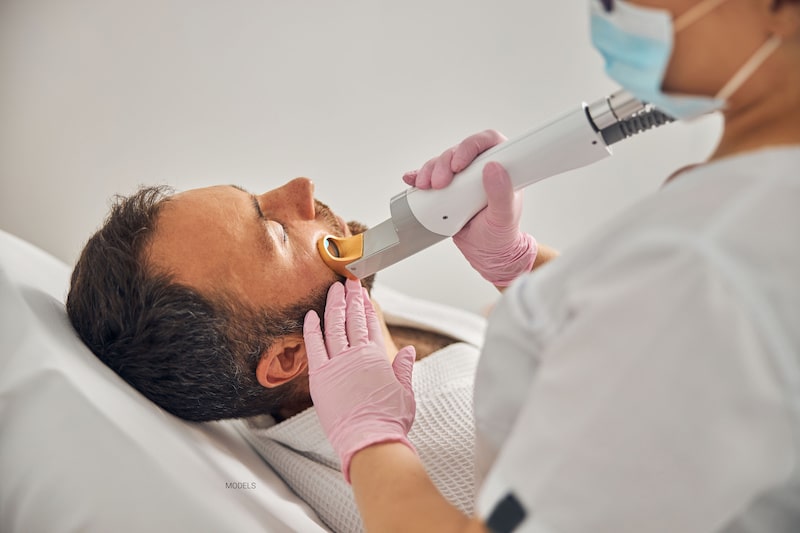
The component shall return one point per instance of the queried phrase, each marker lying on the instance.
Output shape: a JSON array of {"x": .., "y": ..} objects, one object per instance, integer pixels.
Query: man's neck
[
  {"x": 388, "y": 340},
  {"x": 424, "y": 341}
]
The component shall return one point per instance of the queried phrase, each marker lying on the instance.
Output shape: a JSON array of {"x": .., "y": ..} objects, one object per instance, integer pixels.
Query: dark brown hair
[{"x": 193, "y": 355}]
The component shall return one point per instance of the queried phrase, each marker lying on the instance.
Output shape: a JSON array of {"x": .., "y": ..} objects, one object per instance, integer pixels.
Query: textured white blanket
[{"x": 443, "y": 430}]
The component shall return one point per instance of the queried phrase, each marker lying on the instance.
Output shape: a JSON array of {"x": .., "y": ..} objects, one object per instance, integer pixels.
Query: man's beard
[
  {"x": 277, "y": 322},
  {"x": 289, "y": 320}
]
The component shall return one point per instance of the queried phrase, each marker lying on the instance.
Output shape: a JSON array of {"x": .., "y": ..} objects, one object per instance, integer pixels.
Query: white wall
[{"x": 97, "y": 96}]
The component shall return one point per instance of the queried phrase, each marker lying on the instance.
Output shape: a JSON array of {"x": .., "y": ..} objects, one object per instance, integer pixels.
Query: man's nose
[{"x": 294, "y": 198}]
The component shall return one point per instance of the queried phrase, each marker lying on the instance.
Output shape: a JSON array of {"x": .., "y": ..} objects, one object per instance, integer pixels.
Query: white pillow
[{"x": 80, "y": 450}]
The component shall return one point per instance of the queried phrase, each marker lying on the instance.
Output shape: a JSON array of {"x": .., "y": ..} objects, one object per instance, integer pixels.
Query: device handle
[{"x": 567, "y": 143}]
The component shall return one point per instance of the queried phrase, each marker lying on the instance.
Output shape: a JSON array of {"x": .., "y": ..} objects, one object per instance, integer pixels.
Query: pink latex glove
[
  {"x": 360, "y": 397},
  {"x": 491, "y": 241}
]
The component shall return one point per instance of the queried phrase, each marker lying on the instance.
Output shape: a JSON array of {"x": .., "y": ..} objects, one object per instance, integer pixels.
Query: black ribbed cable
[{"x": 643, "y": 121}]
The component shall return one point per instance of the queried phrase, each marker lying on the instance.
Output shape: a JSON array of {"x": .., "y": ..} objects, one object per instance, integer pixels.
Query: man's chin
[{"x": 355, "y": 229}]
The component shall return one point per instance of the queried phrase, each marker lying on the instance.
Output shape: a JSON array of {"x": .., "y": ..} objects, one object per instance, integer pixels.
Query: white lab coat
[{"x": 649, "y": 380}]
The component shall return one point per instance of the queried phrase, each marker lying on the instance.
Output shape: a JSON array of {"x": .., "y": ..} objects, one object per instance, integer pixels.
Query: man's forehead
[
  {"x": 207, "y": 209},
  {"x": 205, "y": 235},
  {"x": 206, "y": 203},
  {"x": 212, "y": 190}
]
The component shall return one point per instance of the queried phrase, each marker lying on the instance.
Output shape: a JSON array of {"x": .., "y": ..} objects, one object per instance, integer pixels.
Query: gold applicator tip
[{"x": 338, "y": 252}]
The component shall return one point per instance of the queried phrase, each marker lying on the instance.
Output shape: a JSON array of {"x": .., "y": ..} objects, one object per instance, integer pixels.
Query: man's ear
[{"x": 283, "y": 361}]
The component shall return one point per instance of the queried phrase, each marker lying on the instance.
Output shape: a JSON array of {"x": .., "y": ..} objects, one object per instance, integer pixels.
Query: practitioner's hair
[{"x": 194, "y": 355}]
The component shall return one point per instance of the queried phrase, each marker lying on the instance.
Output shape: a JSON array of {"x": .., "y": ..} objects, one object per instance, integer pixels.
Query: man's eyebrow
[{"x": 256, "y": 205}]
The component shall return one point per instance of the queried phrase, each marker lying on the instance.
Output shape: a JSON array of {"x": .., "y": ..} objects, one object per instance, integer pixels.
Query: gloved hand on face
[{"x": 361, "y": 398}]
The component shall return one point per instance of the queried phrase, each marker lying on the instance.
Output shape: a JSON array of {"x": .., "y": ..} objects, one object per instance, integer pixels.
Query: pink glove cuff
[
  {"x": 501, "y": 269},
  {"x": 347, "y": 458}
]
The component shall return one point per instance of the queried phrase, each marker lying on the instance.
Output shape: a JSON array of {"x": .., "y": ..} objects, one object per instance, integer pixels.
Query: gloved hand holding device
[
  {"x": 491, "y": 241},
  {"x": 361, "y": 398}
]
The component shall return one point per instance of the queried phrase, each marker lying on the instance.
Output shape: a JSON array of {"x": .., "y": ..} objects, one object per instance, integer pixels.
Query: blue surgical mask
[{"x": 636, "y": 43}]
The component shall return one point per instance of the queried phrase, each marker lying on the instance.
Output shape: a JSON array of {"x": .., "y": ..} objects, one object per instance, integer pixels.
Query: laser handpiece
[{"x": 420, "y": 218}]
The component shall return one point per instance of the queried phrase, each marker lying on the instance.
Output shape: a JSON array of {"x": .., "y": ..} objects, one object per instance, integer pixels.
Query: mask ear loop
[
  {"x": 697, "y": 12},
  {"x": 747, "y": 70}
]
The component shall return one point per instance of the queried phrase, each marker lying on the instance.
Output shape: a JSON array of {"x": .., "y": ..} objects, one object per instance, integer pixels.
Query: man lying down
[{"x": 197, "y": 300}]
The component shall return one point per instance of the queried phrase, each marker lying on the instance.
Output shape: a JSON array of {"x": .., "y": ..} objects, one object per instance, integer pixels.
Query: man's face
[{"x": 259, "y": 249}]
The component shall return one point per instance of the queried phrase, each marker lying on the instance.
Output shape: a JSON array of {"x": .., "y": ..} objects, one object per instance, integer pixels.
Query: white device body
[
  {"x": 421, "y": 218},
  {"x": 565, "y": 144}
]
